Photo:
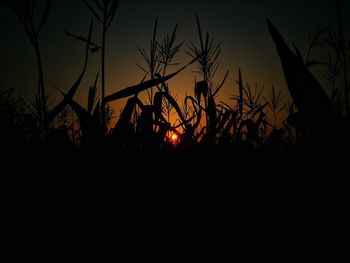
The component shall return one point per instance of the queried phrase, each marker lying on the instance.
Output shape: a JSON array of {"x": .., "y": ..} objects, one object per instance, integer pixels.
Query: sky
[{"x": 239, "y": 25}]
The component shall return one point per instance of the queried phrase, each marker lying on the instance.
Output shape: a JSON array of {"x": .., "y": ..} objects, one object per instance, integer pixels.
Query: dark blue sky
[{"x": 240, "y": 25}]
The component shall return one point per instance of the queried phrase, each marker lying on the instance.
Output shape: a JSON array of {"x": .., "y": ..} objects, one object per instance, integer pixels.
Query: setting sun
[{"x": 174, "y": 139}]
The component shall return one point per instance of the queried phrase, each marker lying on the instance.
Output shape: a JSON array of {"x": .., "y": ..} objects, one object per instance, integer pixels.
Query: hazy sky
[{"x": 239, "y": 25}]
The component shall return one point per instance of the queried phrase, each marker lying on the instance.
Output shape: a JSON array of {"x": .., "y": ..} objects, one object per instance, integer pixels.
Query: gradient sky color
[{"x": 239, "y": 25}]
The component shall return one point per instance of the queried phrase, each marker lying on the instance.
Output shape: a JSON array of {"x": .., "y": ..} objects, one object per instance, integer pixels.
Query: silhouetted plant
[
  {"x": 240, "y": 98},
  {"x": 315, "y": 108},
  {"x": 72, "y": 91},
  {"x": 104, "y": 12},
  {"x": 91, "y": 125},
  {"x": 12, "y": 127},
  {"x": 275, "y": 104},
  {"x": 249, "y": 100},
  {"x": 250, "y": 120},
  {"x": 159, "y": 58},
  {"x": 150, "y": 115},
  {"x": 25, "y": 11},
  {"x": 134, "y": 90},
  {"x": 40, "y": 108},
  {"x": 316, "y": 40},
  {"x": 206, "y": 55},
  {"x": 336, "y": 40},
  {"x": 168, "y": 49},
  {"x": 152, "y": 59}
]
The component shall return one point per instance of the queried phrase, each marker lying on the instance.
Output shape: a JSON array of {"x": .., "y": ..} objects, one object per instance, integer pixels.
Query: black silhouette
[{"x": 204, "y": 123}]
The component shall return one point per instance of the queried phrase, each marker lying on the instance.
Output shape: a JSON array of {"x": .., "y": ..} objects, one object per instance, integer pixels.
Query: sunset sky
[{"x": 239, "y": 25}]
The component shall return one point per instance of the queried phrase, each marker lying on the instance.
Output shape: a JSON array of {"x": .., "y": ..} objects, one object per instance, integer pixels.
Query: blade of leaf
[
  {"x": 75, "y": 86},
  {"x": 221, "y": 85},
  {"x": 142, "y": 87}
]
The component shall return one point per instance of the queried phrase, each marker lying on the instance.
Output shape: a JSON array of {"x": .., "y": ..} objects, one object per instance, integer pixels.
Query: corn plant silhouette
[
  {"x": 207, "y": 54},
  {"x": 316, "y": 109},
  {"x": 25, "y": 10},
  {"x": 104, "y": 12},
  {"x": 275, "y": 104},
  {"x": 160, "y": 57},
  {"x": 152, "y": 60},
  {"x": 336, "y": 40}
]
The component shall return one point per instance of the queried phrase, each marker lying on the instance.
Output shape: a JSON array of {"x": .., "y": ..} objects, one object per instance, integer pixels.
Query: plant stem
[
  {"x": 346, "y": 88},
  {"x": 341, "y": 34},
  {"x": 41, "y": 89},
  {"x": 103, "y": 108},
  {"x": 240, "y": 94},
  {"x": 103, "y": 62}
]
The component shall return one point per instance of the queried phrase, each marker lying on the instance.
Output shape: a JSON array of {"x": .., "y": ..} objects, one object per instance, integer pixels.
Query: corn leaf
[{"x": 133, "y": 90}]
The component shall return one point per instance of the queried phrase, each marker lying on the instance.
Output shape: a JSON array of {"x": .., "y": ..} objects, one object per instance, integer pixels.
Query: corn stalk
[{"x": 25, "y": 11}]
